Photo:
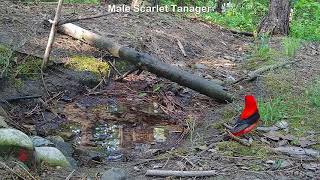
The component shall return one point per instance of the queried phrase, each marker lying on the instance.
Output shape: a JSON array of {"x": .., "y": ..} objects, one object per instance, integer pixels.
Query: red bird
[{"x": 248, "y": 119}]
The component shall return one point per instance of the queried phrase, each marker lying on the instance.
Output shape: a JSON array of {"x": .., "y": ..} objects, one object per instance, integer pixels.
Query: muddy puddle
[{"x": 106, "y": 124}]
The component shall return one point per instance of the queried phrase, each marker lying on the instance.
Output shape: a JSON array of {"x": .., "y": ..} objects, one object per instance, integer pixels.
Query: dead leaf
[
  {"x": 273, "y": 135},
  {"x": 305, "y": 142}
]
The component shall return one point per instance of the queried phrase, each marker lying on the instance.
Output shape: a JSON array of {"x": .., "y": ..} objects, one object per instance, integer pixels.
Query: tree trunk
[
  {"x": 277, "y": 19},
  {"x": 218, "y": 8}
]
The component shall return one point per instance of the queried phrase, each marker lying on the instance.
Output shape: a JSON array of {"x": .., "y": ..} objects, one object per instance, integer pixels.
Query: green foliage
[
  {"x": 314, "y": 93},
  {"x": 83, "y": 1},
  {"x": 306, "y": 19},
  {"x": 244, "y": 16},
  {"x": 291, "y": 46},
  {"x": 5, "y": 58},
  {"x": 262, "y": 50},
  {"x": 31, "y": 68},
  {"x": 66, "y": 1},
  {"x": 301, "y": 111}
]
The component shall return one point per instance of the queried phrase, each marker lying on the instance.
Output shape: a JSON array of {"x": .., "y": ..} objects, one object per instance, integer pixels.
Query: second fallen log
[{"x": 149, "y": 63}]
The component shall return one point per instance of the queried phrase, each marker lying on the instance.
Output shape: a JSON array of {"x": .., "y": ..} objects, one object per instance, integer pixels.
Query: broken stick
[
  {"x": 51, "y": 36},
  {"x": 181, "y": 48},
  {"x": 166, "y": 173},
  {"x": 144, "y": 61},
  {"x": 254, "y": 74}
]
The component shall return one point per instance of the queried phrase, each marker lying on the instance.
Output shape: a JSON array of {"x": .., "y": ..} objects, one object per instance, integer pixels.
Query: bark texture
[{"x": 277, "y": 19}]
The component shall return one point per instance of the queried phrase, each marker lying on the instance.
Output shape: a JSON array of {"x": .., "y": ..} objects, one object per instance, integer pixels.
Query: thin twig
[
  {"x": 30, "y": 175},
  {"x": 51, "y": 36},
  {"x": 126, "y": 74},
  {"x": 83, "y": 18},
  {"x": 11, "y": 170},
  {"x": 21, "y": 98},
  {"x": 166, "y": 173},
  {"x": 70, "y": 175},
  {"x": 235, "y": 138},
  {"x": 114, "y": 68}
]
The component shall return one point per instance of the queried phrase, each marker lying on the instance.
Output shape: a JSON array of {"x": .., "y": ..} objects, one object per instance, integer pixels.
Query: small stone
[
  {"x": 245, "y": 168},
  {"x": 270, "y": 162},
  {"x": 282, "y": 124},
  {"x": 212, "y": 150},
  {"x": 157, "y": 166},
  {"x": 114, "y": 174},
  {"x": 40, "y": 142},
  {"x": 136, "y": 168},
  {"x": 55, "y": 138},
  {"x": 3, "y": 123},
  {"x": 65, "y": 148},
  {"x": 208, "y": 76},
  {"x": 200, "y": 66},
  {"x": 51, "y": 156}
]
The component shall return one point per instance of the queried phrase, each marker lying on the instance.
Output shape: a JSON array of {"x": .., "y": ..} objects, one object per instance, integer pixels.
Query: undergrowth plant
[
  {"x": 5, "y": 58},
  {"x": 290, "y": 46}
]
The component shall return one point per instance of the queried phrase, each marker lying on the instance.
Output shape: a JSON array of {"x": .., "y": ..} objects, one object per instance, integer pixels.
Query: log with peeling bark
[
  {"x": 148, "y": 63},
  {"x": 254, "y": 74}
]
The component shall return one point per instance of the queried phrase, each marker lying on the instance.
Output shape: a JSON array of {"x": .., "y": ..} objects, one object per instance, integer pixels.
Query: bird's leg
[{"x": 237, "y": 139}]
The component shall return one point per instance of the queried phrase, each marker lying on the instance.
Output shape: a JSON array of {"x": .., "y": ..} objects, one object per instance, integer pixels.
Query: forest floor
[{"x": 146, "y": 122}]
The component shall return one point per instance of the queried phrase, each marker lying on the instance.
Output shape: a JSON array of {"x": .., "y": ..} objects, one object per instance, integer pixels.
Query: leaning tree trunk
[
  {"x": 218, "y": 8},
  {"x": 277, "y": 20}
]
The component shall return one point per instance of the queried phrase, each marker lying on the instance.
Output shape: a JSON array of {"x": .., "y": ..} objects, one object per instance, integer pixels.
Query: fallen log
[
  {"x": 149, "y": 63},
  {"x": 254, "y": 74},
  {"x": 167, "y": 173}
]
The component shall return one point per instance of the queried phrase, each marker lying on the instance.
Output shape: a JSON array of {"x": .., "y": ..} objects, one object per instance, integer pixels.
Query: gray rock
[
  {"x": 64, "y": 147},
  {"x": 40, "y": 141},
  {"x": 3, "y": 123},
  {"x": 282, "y": 124},
  {"x": 200, "y": 66},
  {"x": 51, "y": 156},
  {"x": 55, "y": 138},
  {"x": 14, "y": 138},
  {"x": 114, "y": 174}
]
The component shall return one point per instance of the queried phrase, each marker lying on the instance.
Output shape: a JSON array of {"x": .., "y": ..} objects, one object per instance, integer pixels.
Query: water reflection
[{"x": 112, "y": 136}]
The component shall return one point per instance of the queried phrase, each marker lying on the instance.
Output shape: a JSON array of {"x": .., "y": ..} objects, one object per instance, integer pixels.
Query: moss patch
[
  {"x": 85, "y": 63},
  {"x": 231, "y": 148},
  {"x": 31, "y": 68}
]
